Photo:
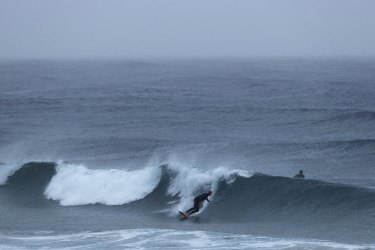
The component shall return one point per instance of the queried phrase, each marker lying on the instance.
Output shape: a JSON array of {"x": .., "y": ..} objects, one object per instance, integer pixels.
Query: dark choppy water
[{"x": 102, "y": 154}]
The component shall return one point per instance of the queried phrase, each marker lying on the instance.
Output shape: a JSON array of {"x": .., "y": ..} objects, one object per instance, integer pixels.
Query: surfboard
[{"x": 184, "y": 215}]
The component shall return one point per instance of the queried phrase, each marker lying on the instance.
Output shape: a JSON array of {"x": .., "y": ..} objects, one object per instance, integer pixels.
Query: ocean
[{"x": 101, "y": 154}]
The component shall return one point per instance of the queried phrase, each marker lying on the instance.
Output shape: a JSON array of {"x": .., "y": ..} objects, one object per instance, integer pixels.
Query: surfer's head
[
  {"x": 209, "y": 192},
  {"x": 301, "y": 172}
]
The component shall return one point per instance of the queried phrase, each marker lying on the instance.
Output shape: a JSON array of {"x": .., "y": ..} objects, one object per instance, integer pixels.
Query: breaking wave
[
  {"x": 78, "y": 185},
  {"x": 238, "y": 195}
]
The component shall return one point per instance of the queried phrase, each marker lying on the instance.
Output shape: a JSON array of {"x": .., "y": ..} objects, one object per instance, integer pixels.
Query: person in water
[
  {"x": 198, "y": 200},
  {"x": 300, "y": 175}
]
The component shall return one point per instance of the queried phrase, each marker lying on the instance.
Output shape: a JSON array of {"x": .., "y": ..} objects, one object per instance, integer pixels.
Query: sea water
[{"x": 102, "y": 154}]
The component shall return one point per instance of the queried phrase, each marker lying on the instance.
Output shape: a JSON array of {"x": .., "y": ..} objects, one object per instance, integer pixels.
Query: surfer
[
  {"x": 198, "y": 200},
  {"x": 300, "y": 175}
]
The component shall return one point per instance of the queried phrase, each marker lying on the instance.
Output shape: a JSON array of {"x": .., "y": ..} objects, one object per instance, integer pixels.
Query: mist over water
[
  {"x": 186, "y": 28},
  {"x": 123, "y": 144}
]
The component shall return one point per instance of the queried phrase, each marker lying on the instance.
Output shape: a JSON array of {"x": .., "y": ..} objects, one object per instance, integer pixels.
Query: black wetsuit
[
  {"x": 197, "y": 201},
  {"x": 299, "y": 176}
]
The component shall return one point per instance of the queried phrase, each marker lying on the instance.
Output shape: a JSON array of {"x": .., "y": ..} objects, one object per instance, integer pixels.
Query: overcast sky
[{"x": 186, "y": 28}]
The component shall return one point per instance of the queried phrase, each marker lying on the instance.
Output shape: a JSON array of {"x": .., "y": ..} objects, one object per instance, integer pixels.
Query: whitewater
[{"x": 102, "y": 154}]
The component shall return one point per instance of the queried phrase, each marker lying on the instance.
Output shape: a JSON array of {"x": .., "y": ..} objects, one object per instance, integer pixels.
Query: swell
[
  {"x": 321, "y": 115},
  {"x": 334, "y": 114},
  {"x": 358, "y": 116},
  {"x": 347, "y": 145}
]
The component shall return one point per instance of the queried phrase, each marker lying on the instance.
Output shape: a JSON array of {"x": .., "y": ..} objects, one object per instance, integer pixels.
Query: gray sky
[{"x": 186, "y": 28}]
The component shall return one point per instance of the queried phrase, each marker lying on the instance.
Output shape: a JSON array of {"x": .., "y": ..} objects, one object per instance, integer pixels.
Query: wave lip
[
  {"x": 74, "y": 185},
  {"x": 77, "y": 185},
  {"x": 6, "y": 170}
]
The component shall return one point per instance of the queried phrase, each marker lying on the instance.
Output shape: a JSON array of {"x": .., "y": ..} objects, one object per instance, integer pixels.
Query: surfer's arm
[{"x": 207, "y": 200}]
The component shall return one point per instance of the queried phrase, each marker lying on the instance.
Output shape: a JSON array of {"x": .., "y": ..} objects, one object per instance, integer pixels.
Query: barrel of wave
[{"x": 190, "y": 182}]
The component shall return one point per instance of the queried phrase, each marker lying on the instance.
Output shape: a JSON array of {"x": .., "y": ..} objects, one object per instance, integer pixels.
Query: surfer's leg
[
  {"x": 189, "y": 210},
  {"x": 193, "y": 209}
]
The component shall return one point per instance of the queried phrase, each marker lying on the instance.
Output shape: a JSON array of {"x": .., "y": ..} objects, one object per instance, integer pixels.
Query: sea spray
[{"x": 189, "y": 182}]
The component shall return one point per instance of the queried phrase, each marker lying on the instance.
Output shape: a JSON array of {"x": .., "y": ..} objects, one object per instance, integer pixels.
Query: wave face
[
  {"x": 265, "y": 197},
  {"x": 25, "y": 186},
  {"x": 239, "y": 196}
]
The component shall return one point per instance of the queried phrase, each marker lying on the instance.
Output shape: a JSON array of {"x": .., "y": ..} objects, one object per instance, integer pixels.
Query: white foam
[
  {"x": 79, "y": 185},
  {"x": 164, "y": 239},
  {"x": 7, "y": 170}
]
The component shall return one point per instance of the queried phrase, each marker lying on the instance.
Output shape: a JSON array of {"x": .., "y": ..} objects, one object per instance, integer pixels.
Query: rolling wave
[{"x": 238, "y": 195}]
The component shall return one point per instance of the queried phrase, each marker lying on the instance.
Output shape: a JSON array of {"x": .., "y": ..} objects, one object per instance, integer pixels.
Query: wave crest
[{"x": 78, "y": 185}]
